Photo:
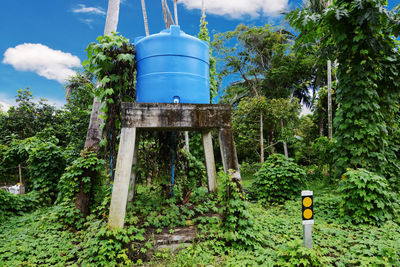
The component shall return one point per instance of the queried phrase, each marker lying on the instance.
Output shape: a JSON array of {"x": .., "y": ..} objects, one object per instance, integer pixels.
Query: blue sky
[{"x": 42, "y": 41}]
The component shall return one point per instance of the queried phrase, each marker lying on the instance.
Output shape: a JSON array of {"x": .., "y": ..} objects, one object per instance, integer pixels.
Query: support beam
[
  {"x": 228, "y": 152},
  {"x": 132, "y": 183},
  {"x": 210, "y": 163},
  {"x": 182, "y": 117},
  {"x": 122, "y": 178}
]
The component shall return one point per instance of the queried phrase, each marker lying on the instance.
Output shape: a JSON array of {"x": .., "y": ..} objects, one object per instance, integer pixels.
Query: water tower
[{"x": 172, "y": 94}]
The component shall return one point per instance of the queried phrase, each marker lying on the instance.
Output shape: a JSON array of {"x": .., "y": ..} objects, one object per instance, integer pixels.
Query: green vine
[
  {"x": 112, "y": 61},
  {"x": 367, "y": 94},
  {"x": 204, "y": 35}
]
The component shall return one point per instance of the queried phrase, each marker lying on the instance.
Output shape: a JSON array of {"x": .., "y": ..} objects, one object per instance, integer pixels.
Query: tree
[
  {"x": 94, "y": 134},
  {"x": 367, "y": 94},
  {"x": 27, "y": 118},
  {"x": 261, "y": 64},
  {"x": 280, "y": 118},
  {"x": 79, "y": 93}
]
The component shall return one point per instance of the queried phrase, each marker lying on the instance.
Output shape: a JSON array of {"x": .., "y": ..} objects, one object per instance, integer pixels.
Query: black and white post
[{"x": 307, "y": 202}]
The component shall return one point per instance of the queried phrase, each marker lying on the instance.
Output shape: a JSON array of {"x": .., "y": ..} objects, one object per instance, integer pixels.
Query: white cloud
[
  {"x": 4, "y": 106},
  {"x": 6, "y": 102},
  {"x": 88, "y": 22},
  {"x": 238, "y": 8},
  {"x": 88, "y": 10},
  {"x": 49, "y": 63},
  {"x": 58, "y": 103}
]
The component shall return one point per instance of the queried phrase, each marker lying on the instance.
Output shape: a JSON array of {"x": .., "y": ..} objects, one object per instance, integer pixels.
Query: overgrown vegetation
[
  {"x": 62, "y": 219},
  {"x": 366, "y": 197},
  {"x": 278, "y": 179}
]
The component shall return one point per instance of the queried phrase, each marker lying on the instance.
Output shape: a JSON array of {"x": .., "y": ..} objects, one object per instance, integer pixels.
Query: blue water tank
[{"x": 172, "y": 67}]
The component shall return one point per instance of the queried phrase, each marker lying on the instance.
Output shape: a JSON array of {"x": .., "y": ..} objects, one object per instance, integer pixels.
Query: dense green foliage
[
  {"x": 17, "y": 204},
  {"x": 366, "y": 197},
  {"x": 40, "y": 239},
  {"x": 367, "y": 94},
  {"x": 238, "y": 225},
  {"x": 82, "y": 169},
  {"x": 36, "y": 240},
  {"x": 46, "y": 165},
  {"x": 280, "y": 117},
  {"x": 278, "y": 179},
  {"x": 112, "y": 62},
  {"x": 357, "y": 219},
  {"x": 44, "y": 160}
]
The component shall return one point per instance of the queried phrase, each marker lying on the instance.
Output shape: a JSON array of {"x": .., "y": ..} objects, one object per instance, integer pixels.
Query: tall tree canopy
[{"x": 367, "y": 93}]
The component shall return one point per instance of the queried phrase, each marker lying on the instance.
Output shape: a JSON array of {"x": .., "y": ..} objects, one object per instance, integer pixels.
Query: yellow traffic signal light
[{"x": 307, "y": 207}]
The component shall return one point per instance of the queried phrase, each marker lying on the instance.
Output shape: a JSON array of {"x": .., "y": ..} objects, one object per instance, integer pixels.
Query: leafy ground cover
[{"x": 38, "y": 239}]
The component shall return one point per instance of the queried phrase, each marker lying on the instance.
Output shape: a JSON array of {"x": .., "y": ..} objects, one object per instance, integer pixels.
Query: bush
[
  {"x": 82, "y": 169},
  {"x": 46, "y": 165},
  {"x": 16, "y": 204},
  {"x": 278, "y": 179},
  {"x": 366, "y": 197}
]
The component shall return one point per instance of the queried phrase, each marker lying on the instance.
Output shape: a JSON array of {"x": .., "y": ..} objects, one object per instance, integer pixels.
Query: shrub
[
  {"x": 46, "y": 165},
  {"x": 16, "y": 204},
  {"x": 278, "y": 179},
  {"x": 366, "y": 197},
  {"x": 81, "y": 169}
]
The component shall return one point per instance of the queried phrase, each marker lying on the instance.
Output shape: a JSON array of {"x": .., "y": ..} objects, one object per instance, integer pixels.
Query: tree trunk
[
  {"x": 176, "y": 13},
  {"x": 321, "y": 122},
  {"x": 271, "y": 141},
  {"x": 329, "y": 99},
  {"x": 284, "y": 143},
  {"x": 203, "y": 9},
  {"x": 146, "y": 25},
  {"x": 261, "y": 138},
  {"x": 94, "y": 133},
  {"x": 329, "y": 66}
]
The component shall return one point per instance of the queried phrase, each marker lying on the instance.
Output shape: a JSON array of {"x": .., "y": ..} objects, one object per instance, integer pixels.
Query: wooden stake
[{"x": 20, "y": 174}]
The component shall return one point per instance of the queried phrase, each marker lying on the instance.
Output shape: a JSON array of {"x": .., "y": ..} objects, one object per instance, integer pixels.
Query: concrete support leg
[
  {"x": 228, "y": 152},
  {"x": 122, "y": 178},
  {"x": 210, "y": 162},
  {"x": 132, "y": 183}
]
